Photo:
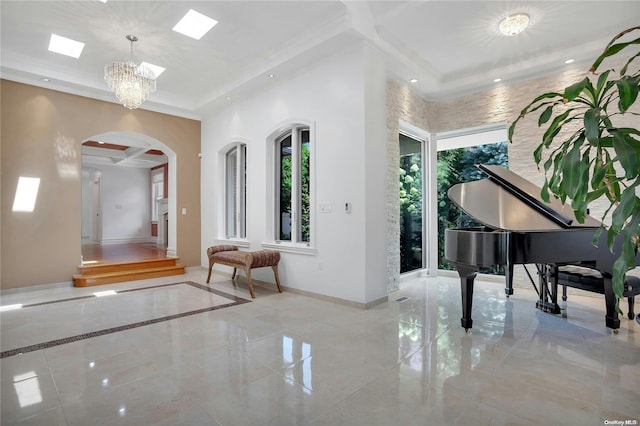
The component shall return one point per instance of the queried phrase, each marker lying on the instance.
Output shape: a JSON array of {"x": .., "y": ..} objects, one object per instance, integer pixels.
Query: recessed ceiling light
[
  {"x": 229, "y": 98},
  {"x": 194, "y": 24},
  {"x": 497, "y": 80},
  {"x": 156, "y": 69},
  {"x": 514, "y": 24},
  {"x": 65, "y": 46},
  {"x": 271, "y": 75},
  {"x": 414, "y": 80},
  {"x": 569, "y": 61},
  {"x": 45, "y": 79}
]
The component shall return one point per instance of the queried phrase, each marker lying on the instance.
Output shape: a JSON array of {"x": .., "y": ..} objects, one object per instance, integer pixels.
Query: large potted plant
[{"x": 588, "y": 155}]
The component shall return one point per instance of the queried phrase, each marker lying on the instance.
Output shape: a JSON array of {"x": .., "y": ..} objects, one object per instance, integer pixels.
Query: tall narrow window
[
  {"x": 157, "y": 191},
  {"x": 293, "y": 183},
  {"x": 411, "y": 204},
  {"x": 236, "y": 192}
]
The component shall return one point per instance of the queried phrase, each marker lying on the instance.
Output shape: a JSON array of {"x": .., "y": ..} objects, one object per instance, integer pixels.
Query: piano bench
[{"x": 589, "y": 279}]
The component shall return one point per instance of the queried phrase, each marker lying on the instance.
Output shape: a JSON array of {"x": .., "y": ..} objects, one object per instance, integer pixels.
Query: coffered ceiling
[{"x": 450, "y": 47}]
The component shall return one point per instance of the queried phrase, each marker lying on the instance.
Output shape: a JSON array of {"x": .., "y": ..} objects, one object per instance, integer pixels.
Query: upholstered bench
[
  {"x": 230, "y": 255},
  {"x": 591, "y": 280}
]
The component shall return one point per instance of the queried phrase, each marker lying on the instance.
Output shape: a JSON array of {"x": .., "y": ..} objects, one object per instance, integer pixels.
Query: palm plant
[{"x": 589, "y": 155}]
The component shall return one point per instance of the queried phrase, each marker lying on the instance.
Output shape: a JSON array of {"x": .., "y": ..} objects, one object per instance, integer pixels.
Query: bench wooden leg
[
  {"x": 210, "y": 268},
  {"x": 248, "y": 274},
  {"x": 233, "y": 277},
  {"x": 275, "y": 273}
]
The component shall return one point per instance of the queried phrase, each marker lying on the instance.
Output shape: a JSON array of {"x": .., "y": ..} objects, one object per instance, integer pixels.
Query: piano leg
[
  {"x": 548, "y": 294},
  {"x": 508, "y": 277},
  {"x": 467, "y": 276},
  {"x": 611, "y": 318}
]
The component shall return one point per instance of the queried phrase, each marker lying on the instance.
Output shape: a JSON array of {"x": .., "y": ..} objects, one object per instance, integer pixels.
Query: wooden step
[{"x": 110, "y": 273}]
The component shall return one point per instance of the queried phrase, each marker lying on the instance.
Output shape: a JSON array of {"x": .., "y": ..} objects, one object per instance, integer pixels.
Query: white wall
[
  {"x": 330, "y": 94},
  {"x": 126, "y": 205}
]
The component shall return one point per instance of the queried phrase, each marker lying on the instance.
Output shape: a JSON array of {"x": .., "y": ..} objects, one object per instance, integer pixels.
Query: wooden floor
[{"x": 94, "y": 254}]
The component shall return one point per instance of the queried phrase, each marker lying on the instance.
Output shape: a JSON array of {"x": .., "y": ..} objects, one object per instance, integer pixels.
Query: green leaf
[
  {"x": 602, "y": 80},
  {"x": 544, "y": 192},
  {"x": 605, "y": 142},
  {"x": 623, "y": 71},
  {"x": 626, "y": 152},
  {"x": 555, "y": 127},
  {"x": 546, "y": 114},
  {"x": 572, "y": 168},
  {"x": 537, "y": 154},
  {"x": 592, "y": 125},
  {"x": 512, "y": 128},
  {"x": 624, "y": 209},
  {"x": 627, "y": 91},
  {"x": 612, "y": 49},
  {"x": 573, "y": 91},
  {"x": 594, "y": 195}
]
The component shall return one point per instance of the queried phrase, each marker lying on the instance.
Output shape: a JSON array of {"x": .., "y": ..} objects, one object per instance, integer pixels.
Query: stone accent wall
[
  {"x": 501, "y": 103},
  {"x": 403, "y": 105}
]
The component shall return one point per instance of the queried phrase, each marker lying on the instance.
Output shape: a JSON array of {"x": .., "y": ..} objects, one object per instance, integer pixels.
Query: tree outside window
[{"x": 294, "y": 186}]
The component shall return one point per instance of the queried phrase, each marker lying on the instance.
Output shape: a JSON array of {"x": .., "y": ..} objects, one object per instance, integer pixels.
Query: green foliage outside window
[
  {"x": 457, "y": 166},
  {"x": 410, "y": 212},
  {"x": 305, "y": 189}
]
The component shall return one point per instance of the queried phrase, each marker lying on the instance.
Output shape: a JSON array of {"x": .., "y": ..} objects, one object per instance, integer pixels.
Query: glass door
[{"x": 411, "y": 204}]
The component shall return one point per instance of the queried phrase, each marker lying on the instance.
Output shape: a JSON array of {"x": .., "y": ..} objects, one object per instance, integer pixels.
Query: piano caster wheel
[
  {"x": 630, "y": 315},
  {"x": 467, "y": 331},
  {"x": 616, "y": 331}
]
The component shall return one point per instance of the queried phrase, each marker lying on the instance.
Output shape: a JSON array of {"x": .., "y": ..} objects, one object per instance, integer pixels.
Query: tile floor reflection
[{"x": 286, "y": 359}]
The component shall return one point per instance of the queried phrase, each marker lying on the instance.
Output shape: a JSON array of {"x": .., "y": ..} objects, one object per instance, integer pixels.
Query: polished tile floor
[{"x": 285, "y": 359}]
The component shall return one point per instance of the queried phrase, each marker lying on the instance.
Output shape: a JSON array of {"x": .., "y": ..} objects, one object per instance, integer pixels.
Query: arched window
[
  {"x": 235, "y": 192},
  {"x": 293, "y": 185}
]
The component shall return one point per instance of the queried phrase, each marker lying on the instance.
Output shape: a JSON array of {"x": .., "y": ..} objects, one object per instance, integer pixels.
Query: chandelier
[
  {"x": 514, "y": 24},
  {"x": 131, "y": 83}
]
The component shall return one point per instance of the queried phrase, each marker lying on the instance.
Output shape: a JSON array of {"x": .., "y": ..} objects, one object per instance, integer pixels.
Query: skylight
[
  {"x": 156, "y": 69},
  {"x": 194, "y": 24},
  {"x": 65, "y": 46}
]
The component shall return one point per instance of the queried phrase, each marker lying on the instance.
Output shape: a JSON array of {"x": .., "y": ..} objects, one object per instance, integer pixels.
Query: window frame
[
  {"x": 241, "y": 150},
  {"x": 293, "y": 128}
]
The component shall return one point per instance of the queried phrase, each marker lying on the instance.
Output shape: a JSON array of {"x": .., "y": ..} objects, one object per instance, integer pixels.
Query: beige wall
[{"x": 41, "y": 135}]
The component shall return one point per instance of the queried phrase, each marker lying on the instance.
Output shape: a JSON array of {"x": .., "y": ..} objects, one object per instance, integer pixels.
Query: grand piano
[{"x": 520, "y": 228}]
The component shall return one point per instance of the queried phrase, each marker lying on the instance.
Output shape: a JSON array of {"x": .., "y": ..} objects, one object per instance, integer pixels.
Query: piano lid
[{"x": 507, "y": 201}]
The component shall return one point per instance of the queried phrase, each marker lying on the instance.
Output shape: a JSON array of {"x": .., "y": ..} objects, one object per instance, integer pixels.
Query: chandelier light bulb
[{"x": 514, "y": 24}]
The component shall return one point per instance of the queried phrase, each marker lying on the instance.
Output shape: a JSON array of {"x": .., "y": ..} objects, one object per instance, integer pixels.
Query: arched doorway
[{"x": 133, "y": 146}]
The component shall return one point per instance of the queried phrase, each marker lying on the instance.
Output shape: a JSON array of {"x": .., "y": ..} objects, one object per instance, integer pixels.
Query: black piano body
[{"x": 520, "y": 228}]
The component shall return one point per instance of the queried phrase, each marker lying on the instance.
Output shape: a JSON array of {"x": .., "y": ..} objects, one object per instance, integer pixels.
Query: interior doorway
[{"x": 122, "y": 154}]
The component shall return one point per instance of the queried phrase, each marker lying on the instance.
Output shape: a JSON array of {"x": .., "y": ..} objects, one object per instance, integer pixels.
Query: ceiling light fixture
[
  {"x": 414, "y": 80},
  {"x": 569, "y": 61},
  {"x": 514, "y": 24},
  {"x": 131, "y": 83},
  {"x": 497, "y": 80}
]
